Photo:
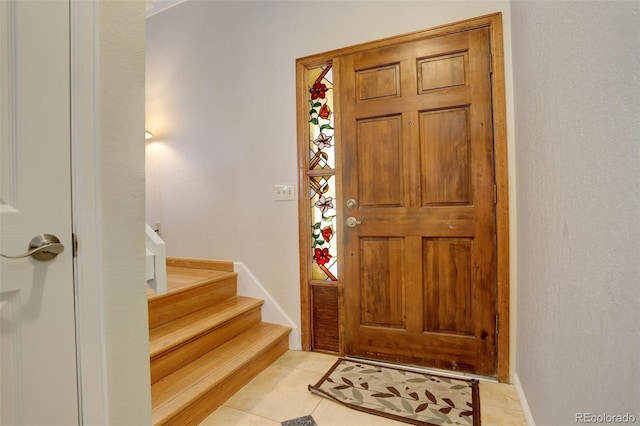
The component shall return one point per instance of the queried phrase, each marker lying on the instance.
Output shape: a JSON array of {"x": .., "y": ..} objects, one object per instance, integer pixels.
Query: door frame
[
  {"x": 108, "y": 350},
  {"x": 86, "y": 193},
  {"x": 494, "y": 23}
]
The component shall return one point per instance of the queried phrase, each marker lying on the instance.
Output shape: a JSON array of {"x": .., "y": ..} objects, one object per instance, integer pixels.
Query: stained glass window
[
  {"x": 321, "y": 150},
  {"x": 322, "y": 195},
  {"x": 323, "y": 220}
]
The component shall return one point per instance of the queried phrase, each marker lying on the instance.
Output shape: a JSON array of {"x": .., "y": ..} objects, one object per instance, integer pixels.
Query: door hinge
[
  {"x": 495, "y": 194},
  {"x": 75, "y": 245}
]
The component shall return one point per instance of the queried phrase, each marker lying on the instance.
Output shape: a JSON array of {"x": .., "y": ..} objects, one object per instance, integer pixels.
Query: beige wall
[
  {"x": 577, "y": 118},
  {"x": 221, "y": 101}
]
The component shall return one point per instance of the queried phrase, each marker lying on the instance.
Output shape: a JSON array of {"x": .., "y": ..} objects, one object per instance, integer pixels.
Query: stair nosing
[{"x": 207, "y": 320}]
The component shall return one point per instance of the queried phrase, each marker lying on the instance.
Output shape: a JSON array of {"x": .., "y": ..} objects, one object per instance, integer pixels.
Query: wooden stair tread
[
  {"x": 181, "y": 279},
  {"x": 178, "y": 390},
  {"x": 188, "y": 327}
]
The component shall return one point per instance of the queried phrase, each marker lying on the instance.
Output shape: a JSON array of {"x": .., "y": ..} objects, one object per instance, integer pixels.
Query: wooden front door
[{"x": 418, "y": 194}]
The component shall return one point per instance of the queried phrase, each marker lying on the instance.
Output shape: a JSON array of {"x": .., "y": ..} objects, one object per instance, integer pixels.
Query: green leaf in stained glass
[{"x": 314, "y": 121}]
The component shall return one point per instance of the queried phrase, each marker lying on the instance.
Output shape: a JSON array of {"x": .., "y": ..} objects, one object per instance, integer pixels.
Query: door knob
[
  {"x": 352, "y": 222},
  {"x": 41, "y": 247}
]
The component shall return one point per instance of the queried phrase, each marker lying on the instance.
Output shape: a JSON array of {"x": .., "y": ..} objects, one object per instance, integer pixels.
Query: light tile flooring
[{"x": 280, "y": 393}]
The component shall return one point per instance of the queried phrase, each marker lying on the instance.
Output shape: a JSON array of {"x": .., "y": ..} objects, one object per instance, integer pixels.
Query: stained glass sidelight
[
  {"x": 322, "y": 195},
  {"x": 323, "y": 220},
  {"x": 321, "y": 150}
]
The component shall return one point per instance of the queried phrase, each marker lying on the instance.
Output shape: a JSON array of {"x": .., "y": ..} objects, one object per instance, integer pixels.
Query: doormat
[{"x": 402, "y": 395}]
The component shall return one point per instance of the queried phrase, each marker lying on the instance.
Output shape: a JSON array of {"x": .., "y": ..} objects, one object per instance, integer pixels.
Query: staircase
[{"x": 206, "y": 342}]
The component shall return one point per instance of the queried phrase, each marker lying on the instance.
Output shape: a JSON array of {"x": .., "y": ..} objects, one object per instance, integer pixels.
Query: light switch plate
[{"x": 285, "y": 192}]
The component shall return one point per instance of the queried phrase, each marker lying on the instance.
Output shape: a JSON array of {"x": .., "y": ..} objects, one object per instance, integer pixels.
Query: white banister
[{"x": 156, "y": 261}]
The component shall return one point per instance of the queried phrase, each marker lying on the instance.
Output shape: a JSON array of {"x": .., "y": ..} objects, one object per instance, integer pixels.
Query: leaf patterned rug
[{"x": 403, "y": 395}]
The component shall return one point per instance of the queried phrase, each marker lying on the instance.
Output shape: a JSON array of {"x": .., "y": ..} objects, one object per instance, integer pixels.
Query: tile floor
[{"x": 280, "y": 393}]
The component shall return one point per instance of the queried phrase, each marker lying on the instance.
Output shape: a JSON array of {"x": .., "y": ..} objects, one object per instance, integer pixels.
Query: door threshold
[{"x": 427, "y": 370}]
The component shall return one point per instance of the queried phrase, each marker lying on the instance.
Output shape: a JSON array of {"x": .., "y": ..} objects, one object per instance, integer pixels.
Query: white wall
[
  {"x": 120, "y": 211},
  {"x": 577, "y": 118},
  {"x": 221, "y": 103}
]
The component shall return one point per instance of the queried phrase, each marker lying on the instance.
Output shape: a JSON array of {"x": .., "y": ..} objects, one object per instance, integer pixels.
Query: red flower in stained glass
[
  {"x": 327, "y": 233},
  {"x": 321, "y": 256},
  {"x": 325, "y": 112},
  {"x": 318, "y": 90}
]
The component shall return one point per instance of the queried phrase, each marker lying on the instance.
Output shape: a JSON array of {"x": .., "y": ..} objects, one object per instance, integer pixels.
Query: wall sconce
[{"x": 147, "y": 135}]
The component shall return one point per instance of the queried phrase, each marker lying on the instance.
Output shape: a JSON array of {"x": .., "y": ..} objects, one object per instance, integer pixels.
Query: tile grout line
[
  {"x": 249, "y": 413},
  {"x": 319, "y": 398}
]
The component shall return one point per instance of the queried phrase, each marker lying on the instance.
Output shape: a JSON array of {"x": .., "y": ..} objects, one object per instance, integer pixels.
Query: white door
[{"x": 38, "y": 347}]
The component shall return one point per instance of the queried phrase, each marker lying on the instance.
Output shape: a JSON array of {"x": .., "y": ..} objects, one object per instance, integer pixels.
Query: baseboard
[
  {"x": 250, "y": 286},
  {"x": 523, "y": 400}
]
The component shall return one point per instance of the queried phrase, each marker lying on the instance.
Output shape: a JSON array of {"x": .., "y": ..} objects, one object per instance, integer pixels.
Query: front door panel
[{"x": 420, "y": 267}]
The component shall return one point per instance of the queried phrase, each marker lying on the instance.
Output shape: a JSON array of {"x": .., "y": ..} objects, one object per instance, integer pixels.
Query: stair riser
[
  {"x": 166, "y": 363},
  {"x": 165, "y": 309},
  {"x": 200, "y": 408},
  {"x": 216, "y": 265}
]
